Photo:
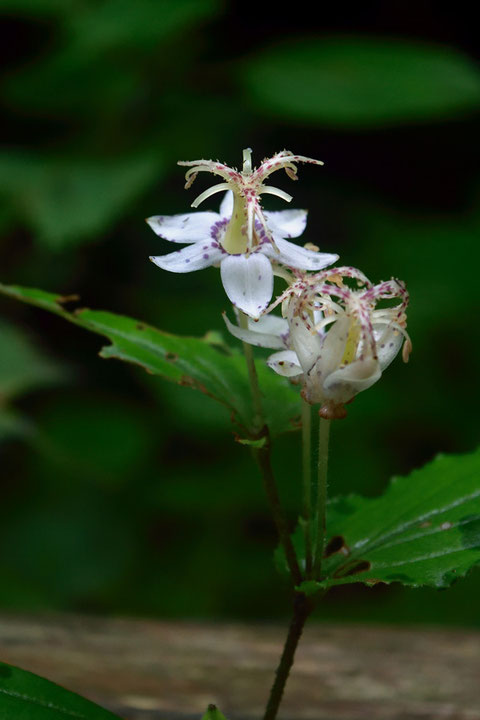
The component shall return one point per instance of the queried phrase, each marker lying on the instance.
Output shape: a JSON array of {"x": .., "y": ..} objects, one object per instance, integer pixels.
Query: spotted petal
[
  {"x": 248, "y": 282},
  {"x": 286, "y": 223},
  {"x": 297, "y": 257},
  {"x": 192, "y": 257},
  {"x": 187, "y": 228},
  {"x": 285, "y": 363},
  {"x": 388, "y": 343}
]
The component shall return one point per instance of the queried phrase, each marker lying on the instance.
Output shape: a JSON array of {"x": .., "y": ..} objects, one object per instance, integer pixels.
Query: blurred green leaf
[
  {"x": 141, "y": 24},
  {"x": 25, "y": 696},
  {"x": 66, "y": 201},
  {"x": 185, "y": 360},
  {"x": 362, "y": 81},
  {"x": 424, "y": 530},
  {"x": 22, "y": 366}
]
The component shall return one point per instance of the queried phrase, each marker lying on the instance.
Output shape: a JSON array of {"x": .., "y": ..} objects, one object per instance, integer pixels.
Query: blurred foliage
[
  {"x": 362, "y": 81},
  {"x": 123, "y": 493}
]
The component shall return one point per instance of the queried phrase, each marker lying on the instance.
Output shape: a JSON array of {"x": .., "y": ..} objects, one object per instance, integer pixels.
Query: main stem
[
  {"x": 307, "y": 483},
  {"x": 301, "y": 611},
  {"x": 323, "y": 437}
]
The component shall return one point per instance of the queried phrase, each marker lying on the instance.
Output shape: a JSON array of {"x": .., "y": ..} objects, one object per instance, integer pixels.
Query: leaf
[
  {"x": 193, "y": 362},
  {"x": 25, "y": 696},
  {"x": 424, "y": 530},
  {"x": 363, "y": 81},
  {"x": 68, "y": 200}
]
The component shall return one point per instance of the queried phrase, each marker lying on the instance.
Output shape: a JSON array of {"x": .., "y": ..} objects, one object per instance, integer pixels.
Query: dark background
[{"x": 121, "y": 493}]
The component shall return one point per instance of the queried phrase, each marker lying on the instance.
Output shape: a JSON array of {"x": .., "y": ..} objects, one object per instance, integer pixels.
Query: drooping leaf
[
  {"x": 193, "y": 362},
  {"x": 356, "y": 81},
  {"x": 424, "y": 530},
  {"x": 25, "y": 696}
]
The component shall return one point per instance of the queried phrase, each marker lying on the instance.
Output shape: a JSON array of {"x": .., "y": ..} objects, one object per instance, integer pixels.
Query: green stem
[
  {"x": 301, "y": 610},
  {"x": 263, "y": 456},
  {"x": 307, "y": 483},
  {"x": 258, "y": 420},
  {"x": 323, "y": 436}
]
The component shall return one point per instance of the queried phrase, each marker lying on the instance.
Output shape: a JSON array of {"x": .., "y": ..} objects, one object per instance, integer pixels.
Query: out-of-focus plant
[{"x": 337, "y": 333}]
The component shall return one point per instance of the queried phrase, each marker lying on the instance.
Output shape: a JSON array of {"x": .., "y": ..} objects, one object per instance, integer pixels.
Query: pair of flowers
[{"x": 331, "y": 336}]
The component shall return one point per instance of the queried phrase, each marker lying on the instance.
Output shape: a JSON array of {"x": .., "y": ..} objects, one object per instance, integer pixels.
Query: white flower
[
  {"x": 243, "y": 240},
  {"x": 361, "y": 341}
]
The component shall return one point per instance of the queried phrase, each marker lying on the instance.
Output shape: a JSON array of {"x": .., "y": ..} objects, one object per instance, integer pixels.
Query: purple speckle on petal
[
  {"x": 187, "y": 260},
  {"x": 206, "y": 256}
]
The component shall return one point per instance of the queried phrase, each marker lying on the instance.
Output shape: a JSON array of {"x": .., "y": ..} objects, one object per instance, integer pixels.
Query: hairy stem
[
  {"x": 307, "y": 483},
  {"x": 263, "y": 456},
  {"x": 323, "y": 436},
  {"x": 301, "y": 610}
]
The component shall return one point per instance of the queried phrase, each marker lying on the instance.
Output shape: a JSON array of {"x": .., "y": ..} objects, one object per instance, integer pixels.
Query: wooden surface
[{"x": 146, "y": 670}]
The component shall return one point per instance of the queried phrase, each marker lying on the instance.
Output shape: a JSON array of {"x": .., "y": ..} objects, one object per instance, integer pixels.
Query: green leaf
[
  {"x": 424, "y": 530},
  {"x": 363, "y": 81},
  {"x": 25, "y": 696},
  {"x": 219, "y": 372},
  {"x": 68, "y": 200}
]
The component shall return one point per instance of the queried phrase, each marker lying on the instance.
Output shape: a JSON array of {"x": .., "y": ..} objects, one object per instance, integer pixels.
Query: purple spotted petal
[
  {"x": 297, "y": 257},
  {"x": 187, "y": 228},
  {"x": 193, "y": 257},
  {"x": 285, "y": 363},
  {"x": 287, "y": 223},
  {"x": 248, "y": 282}
]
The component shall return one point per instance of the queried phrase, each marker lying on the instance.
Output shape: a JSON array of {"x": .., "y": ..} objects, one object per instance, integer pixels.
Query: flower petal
[
  {"x": 388, "y": 342},
  {"x": 192, "y": 257},
  {"x": 306, "y": 342},
  {"x": 271, "y": 324},
  {"x": 343, "y": 384},
  {"x": 285, "y": 363},
  {"x": 296, "y": 256},
  {"x": 187, "y": 228},
  {"x": 226, "y": 207},
  {"x": 287, "y": 223},
  {"x": 254, "y": 337},
  {"x": 248, "y": 282}
]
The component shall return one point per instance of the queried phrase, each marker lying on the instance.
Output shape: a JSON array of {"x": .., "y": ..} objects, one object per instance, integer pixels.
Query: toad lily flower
[
  {"x": 338, "y": 342},
  {"x": 247, "y": 243}
]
